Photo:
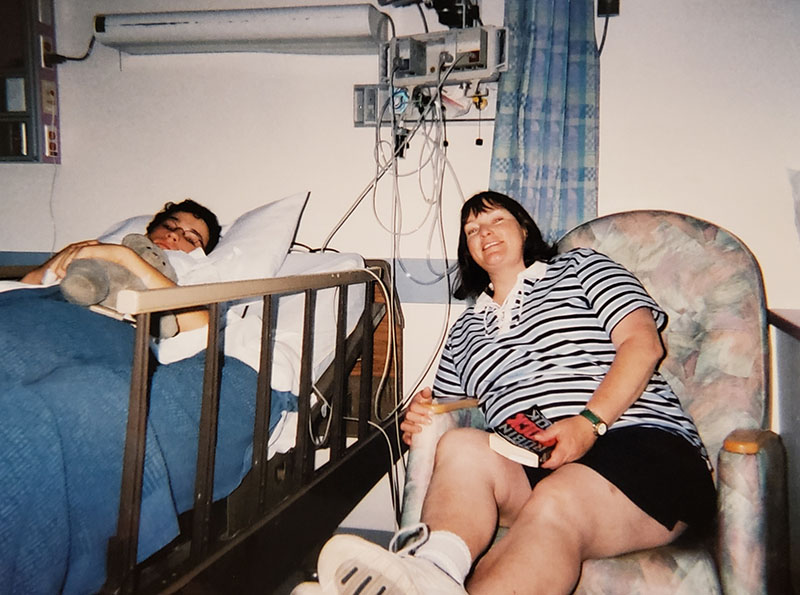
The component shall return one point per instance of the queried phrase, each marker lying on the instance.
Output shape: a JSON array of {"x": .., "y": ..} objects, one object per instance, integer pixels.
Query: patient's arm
[
  {"x": 57, "y": 264},
  {"x": 124, "y": 256}
]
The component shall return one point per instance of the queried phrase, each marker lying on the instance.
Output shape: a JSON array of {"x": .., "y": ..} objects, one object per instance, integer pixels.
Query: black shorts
[{"x": 660, "y": 472}]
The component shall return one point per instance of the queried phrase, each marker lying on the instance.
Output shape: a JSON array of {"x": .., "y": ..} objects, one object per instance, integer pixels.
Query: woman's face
[
  {"x": 495, "y": 240},
  {"x": 181, "y": 231}
]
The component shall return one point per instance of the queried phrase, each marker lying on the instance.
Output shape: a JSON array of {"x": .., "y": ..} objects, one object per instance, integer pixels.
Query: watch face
[{"x": 601, "y": 428}]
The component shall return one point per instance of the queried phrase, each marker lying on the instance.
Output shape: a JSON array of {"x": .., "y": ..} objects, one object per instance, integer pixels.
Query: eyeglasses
[{"x": 192, "y": 236}]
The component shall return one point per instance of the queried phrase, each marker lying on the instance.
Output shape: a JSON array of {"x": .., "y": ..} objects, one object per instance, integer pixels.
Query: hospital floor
[{"x": 305, "y": 572}]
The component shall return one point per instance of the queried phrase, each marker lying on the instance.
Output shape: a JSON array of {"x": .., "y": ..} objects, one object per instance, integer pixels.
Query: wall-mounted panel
[{"x": 29, "y": 115}]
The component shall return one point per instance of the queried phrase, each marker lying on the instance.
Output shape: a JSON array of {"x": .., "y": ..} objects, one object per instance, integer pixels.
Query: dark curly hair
[
  {"x": 194, "y": 208},
  {"x": 472, "y": 279}
]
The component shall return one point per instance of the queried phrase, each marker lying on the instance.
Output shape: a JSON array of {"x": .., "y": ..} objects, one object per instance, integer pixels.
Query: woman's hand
[
  {"x": 639, "y": 350},
  {"x": 418, "y": 414},
  {"x": 573, "y": 438}
]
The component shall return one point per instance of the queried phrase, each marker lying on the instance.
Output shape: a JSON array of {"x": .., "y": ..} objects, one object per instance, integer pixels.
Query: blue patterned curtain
[{"x": 546, "y": 129}]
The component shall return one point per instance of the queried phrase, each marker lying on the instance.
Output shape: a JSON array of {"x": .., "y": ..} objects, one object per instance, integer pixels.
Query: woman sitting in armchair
[{"x": 576, "y": 337}]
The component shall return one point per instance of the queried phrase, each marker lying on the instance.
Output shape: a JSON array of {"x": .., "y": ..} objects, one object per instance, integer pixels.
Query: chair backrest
[{"x": 710, "y": 285}]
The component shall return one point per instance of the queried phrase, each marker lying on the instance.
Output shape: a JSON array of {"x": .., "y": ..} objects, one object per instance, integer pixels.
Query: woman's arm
[
  {"x": 639, "y": 349},
  {"x": 124, "y": 256}
]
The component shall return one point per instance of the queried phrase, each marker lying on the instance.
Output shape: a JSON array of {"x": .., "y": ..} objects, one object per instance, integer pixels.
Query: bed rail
[{"x": 275, "y": 489}]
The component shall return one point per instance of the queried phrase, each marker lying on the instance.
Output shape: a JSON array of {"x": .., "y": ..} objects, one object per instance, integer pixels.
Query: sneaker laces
[{"x": 407, "y": 540}]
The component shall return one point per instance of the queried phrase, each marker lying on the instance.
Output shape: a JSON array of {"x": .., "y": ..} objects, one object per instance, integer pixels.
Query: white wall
[
  {"x": 231, "y": 131},
  {"x": 699, "y": 113}
]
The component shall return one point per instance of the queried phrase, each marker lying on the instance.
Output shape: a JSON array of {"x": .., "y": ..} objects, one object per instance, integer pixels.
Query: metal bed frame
[{"x": 287, "y": 505}]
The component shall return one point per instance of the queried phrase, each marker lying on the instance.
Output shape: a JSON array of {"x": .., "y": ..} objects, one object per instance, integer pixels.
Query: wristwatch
[{"x": 598, "y": 425}]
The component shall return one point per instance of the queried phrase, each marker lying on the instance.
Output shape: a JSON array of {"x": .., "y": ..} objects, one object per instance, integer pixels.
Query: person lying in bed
[{"x": 183, "y": 226}]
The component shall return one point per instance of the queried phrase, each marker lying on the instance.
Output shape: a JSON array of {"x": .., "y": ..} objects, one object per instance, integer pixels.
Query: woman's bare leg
[
  {"x": 471, "y": 485},
  {"x": 572, "y": 515}
]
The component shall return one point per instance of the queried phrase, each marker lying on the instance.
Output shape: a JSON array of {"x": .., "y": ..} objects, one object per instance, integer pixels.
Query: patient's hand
[{"x": 58, "y": 264}]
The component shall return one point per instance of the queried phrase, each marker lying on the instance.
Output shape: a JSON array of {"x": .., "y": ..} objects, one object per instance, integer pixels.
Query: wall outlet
[{"x": 51, "y": 141}]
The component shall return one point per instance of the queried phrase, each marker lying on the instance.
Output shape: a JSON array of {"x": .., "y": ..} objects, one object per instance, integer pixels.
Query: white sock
[{"x": 449, "y": 552}]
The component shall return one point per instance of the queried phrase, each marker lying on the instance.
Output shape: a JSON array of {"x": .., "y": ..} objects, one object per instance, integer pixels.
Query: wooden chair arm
[{"x": 747, "y": 442}]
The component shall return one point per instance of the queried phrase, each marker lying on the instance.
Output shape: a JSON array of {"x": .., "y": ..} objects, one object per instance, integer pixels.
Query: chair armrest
[
  {"x": 753, "y": 513},
  {"x": 748, "y": 442},
  {"x": 421, "y": 455}
]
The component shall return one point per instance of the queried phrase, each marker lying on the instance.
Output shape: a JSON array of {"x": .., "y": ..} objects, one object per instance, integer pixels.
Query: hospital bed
[{"x": 216, "y": 468}]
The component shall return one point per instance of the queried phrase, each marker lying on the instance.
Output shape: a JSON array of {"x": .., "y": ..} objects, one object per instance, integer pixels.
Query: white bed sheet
[
  {"x": 243, "y": 332},
  {"x": 243, "y": 321}
]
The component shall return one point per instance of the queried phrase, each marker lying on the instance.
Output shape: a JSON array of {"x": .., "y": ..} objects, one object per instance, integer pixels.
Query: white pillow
[
  {"x": 115, "y": 233},
  {"x": 252, "y": 247},
  {"x": 256, "y": 244}
]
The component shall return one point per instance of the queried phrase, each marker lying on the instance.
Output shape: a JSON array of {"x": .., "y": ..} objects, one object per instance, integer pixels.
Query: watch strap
[{"x": 595, "y": 420}]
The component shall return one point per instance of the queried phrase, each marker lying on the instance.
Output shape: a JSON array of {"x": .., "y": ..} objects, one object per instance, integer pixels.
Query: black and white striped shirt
[{"x": 549, "y": 345}]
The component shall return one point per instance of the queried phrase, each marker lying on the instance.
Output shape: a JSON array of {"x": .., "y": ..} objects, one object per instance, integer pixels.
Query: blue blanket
[{"x": 64, "y": 387}]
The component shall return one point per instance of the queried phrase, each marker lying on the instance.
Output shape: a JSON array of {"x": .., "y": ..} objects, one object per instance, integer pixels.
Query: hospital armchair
[{"x": 718, "y": 364}]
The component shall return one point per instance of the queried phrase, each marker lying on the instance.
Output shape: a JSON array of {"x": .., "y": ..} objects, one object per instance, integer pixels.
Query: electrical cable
[
  {"x": 51, "y": 208},
  {"x": 391, "y": 23},
  {"x": 603, "y": 39},
  {"x": 422, "y": 16},
  {"x": 445, "y": 321},
  {"x": 442, "y": 335},
  {"x": 438, "y": 218},
  {"x": 382, "y": 170},
  {"x": 52, "y": 59},
  {"x": 391, "y": 356},
  {"x": 435, "y": 146},
  {"x": 440, "y": 164},
  {"x": 391, "y": 347},
  {"x": 317, "y": 442},
  {"x": 437, "y": 157},
  {"x": 433, "y": 153},
  {"x": 306, "y": 247},
  {"x": 394, "y": 480}
]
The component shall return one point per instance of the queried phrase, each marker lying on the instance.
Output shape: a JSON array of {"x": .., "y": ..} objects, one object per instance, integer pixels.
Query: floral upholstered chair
[{"x": 717, "y": 362}]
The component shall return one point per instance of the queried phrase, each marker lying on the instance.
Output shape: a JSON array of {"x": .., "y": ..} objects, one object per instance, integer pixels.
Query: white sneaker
[
  {"x": 307, "y": 589},
  {"x": 350, "y": 565}
]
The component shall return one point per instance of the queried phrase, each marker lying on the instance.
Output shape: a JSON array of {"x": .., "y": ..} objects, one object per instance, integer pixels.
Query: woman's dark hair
[
  {"x": 472, "y": 279},
  {"x": 193, "y": 208}
]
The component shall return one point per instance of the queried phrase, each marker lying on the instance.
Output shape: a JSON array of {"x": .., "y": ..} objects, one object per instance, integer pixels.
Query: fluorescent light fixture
[{"x": 330, "y": 29}]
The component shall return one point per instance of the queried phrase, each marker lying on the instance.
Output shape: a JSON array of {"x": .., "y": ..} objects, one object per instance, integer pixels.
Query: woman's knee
[
  {"x": 556, "y": 503},
  {"x": 462, "y": 443},
  {"x": 464, "y": 456}
]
